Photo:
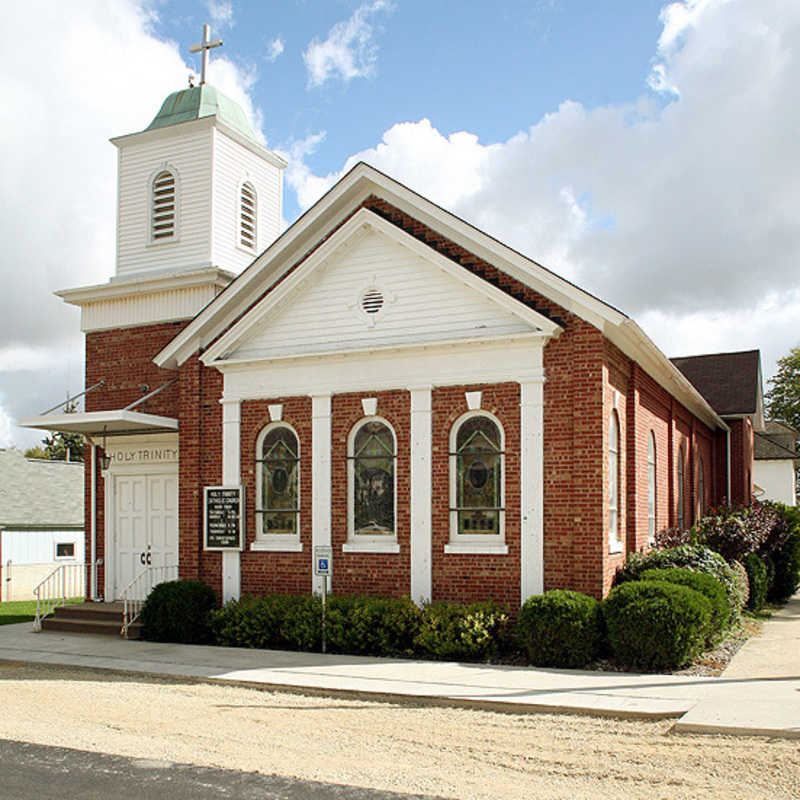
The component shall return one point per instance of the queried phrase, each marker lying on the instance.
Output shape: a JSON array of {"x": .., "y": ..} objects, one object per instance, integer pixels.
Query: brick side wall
[{"x": 741, "y": 461}]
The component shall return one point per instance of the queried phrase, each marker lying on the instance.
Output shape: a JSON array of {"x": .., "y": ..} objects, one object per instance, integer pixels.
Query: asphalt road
[{"x": 36, "y": 772}]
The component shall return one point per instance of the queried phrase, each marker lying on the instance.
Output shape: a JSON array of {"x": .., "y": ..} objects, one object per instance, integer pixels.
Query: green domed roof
[{"x": 202, "y": 101}]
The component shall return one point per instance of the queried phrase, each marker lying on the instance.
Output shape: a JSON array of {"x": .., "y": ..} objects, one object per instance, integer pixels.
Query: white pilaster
[
  {"x": 421, "y": 490},
  {"x": 320, "y": 478},
  {"x": 231, "y": 476},
  {"x": 532, "y": 487}
]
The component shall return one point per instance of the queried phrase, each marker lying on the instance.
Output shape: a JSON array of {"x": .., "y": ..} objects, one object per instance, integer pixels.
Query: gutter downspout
[{"x": 93, "y": 521}]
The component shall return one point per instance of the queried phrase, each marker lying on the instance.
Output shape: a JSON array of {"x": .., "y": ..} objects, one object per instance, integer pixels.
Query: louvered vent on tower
[
  {"x": 164, "y": 205},
  {"x": 247, "y": 220}
]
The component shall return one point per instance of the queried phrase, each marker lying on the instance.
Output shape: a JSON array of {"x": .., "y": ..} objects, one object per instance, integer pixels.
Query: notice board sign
[{"x": 223, "y": 518}]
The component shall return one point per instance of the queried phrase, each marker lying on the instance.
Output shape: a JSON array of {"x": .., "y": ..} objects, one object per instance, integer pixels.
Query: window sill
[
  {"x": 476, "y": 548},
  {"x": 370, "y": 547},
  {"x": 260, "y": 546},
  {"x": 615, "y": 548}
]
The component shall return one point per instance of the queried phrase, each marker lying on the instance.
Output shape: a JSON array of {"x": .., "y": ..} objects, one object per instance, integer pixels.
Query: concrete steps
[{"x": 102, "y": 619}]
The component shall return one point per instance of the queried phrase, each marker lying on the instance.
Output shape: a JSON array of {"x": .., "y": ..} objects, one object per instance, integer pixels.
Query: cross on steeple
[{"x": 203, "y": 47}]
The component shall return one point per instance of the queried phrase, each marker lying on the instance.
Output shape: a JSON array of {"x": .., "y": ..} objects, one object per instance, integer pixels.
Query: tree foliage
[
  {"x": 60, "y": 446},
  {"x": 783, "y": 396}
]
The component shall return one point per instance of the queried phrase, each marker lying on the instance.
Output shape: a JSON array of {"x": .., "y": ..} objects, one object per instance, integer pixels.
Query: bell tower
[{"x": 198, "y": 198}]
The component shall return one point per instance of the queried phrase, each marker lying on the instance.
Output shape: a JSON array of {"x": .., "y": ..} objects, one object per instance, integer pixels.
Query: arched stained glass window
[
  {"x": 651, "y": 488},
  {"x": 373, "y": 455},
  {"x": 701, "y": 488},
  {"x": 164, "y": 207},
  {"x": 279, "y": 465},
  {"x": 478, "y": 464},
  {"x": 681, "y": 517},
  {"x": 614, "y": 537}
]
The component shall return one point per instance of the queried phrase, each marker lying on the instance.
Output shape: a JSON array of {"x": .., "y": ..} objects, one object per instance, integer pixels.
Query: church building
[{"x": 452, "y": 419}]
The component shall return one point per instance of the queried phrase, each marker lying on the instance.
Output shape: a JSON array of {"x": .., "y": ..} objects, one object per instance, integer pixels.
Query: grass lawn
[
  {"x": 18, "y": 611},
  {"x": 23, "y": 610}
]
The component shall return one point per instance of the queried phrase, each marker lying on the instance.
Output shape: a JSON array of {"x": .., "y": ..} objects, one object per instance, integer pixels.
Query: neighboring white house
[
  {"x": 41, "y": 520},
  {"x": 774, "y": 468}
]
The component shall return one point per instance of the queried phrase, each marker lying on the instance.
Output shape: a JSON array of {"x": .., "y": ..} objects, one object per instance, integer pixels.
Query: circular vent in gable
[{"x": 372, "y": 301}]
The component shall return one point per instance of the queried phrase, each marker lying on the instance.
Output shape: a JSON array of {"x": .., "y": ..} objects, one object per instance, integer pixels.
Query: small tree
[{"x": 60, "y": 446}]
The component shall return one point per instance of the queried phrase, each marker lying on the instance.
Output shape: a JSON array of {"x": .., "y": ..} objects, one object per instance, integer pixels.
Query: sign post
[
  {"x": 323, "y": 565},
  {"x": 223, "y": 518}
]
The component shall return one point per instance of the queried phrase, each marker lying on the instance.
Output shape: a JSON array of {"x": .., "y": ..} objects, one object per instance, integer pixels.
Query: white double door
[{"x": 146, "y": 525}]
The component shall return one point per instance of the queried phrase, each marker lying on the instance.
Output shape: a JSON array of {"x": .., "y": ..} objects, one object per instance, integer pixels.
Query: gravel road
[{"x": 450, "y": 752}]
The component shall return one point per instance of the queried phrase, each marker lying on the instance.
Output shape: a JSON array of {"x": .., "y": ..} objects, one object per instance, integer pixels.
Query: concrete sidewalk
[{"x": 759, "y": 693}]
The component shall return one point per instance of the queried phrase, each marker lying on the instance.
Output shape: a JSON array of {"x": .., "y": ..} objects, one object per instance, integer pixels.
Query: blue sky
[
  {"x": 488, "y": 68},
  {"x": 647, "y": 151}
]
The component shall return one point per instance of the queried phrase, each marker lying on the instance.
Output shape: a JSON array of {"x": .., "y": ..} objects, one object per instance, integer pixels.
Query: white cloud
[
  {"x": 349, "y": 51},
  {"x": 274, "y": 49},
  {"x": 221, "y": 13},
  {"x": 58, "y": 179},
  {"x": 682, "y": 214}
]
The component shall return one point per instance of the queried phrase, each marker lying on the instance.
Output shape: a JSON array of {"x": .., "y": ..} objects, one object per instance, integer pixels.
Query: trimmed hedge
[
  {"x": 701, "y": 582},
  {"x": 688, "y": 556},
  {"x": 277, "y": 621},
  {"x": 560, "y": 629},
  {"x": 758, "y": 578},
  {"x": 477, "y": 631},
  {"x": 363, "y": 625},
  {"x": 787, "y": 569},
  {"x": 655, "y": 625},
  {"x": 177, "y": 611}
]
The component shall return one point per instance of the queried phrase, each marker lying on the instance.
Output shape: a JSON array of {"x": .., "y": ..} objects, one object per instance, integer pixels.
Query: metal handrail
[
  {"x": 65, "y": 582},
  {"x": 142, "y": 585}
]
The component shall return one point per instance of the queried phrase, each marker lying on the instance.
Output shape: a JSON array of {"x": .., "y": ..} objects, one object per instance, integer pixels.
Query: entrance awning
[{"x": 119, "y": 422}]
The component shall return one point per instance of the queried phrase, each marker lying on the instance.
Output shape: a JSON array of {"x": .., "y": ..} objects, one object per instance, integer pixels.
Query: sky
[{"x": 646, "y": 151}]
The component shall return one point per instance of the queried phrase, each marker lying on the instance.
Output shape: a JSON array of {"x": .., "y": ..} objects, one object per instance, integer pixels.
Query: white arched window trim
[
  {"x": 476, "y": 543},
  {"x": 614, "y": 484},
  {"x": 151, "y": 206},
  {"x": 246, "y": 184},
  {"x": 362, "y": 543},
  {"x": 701, "y": 488},
  {"x": 681, "y": 488},
  {"x": 652, "y": 496},
  {"x": 275, "y": 541}
]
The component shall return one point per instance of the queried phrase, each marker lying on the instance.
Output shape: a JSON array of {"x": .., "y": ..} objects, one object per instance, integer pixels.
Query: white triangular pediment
[{"x": 376, "y": 287}]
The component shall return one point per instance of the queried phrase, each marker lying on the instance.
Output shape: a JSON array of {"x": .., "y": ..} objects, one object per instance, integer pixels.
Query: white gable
[{"x": 420, "y": 303}]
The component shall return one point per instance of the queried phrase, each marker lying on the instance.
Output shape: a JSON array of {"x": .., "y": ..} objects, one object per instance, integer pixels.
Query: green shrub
[
  {"x": 560, "y": 629},
  {"x": 177, "y": 611},
  {"x": 787, "y": 570},
  {"x": 655, "y": 625},
  {"x": 696, "y": 557},
  {"x": 704, "y": 583},
  {"x": 758, "y": 579},
  {"x": 465, "y": 632},
  {"x": 364, "y": 625},
  {"x": 285, "y": 622}
]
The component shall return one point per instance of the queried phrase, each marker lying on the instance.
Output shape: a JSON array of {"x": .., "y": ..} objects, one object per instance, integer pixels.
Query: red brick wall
[
  {"x": 123, "y": 358},
  {"x": 741, "y": 461},
  {"x": 200, "y": 415},
  {"x": 276, "y": 572},
  {"x": 370, "y": 573},
  {"x": 461, "y": 577}
]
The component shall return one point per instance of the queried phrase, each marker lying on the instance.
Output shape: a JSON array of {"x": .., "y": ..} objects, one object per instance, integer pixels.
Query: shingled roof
[
  {"x": 37, "y": 492},
  {"x": 777, "y": 441},
  {"x": 729, "y": 382}
]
